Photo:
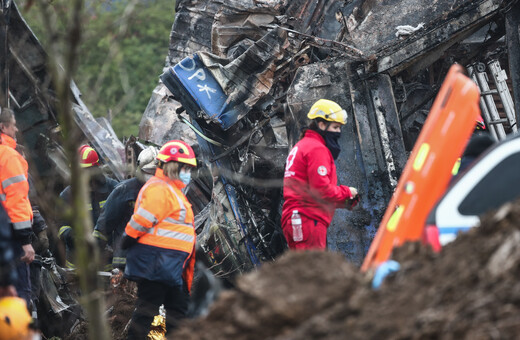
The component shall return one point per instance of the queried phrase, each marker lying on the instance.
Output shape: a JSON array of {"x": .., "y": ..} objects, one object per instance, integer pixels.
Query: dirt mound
[
  {"x": 120, "y": 302},
  {"x": 468, "y": 291}
]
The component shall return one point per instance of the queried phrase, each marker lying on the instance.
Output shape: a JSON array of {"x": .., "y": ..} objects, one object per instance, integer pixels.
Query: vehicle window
[{"x": 497, "y": 187}]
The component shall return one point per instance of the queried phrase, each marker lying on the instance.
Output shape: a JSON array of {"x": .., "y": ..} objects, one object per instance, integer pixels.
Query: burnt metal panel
[
  {"x": 239, "y": 25},
  {"x": 226, "y": 90},
  {"x": 435, "y": 26},
  {"x": 378, "y": 127},
  {"x": 191, "y": 31},
  {"x": 281, "y": 88},
  {"x": 160, "y": 122},
  {"x": 381, "y": 151},
  {"x": 308, "y": 16},
  {"x": 430, "y": 46},
  {"x": 513, "y": 48},
  {"x": 224, "y": 235}
]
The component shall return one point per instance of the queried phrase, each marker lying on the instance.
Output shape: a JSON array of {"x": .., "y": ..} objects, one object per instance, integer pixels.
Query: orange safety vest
[
  {"x": 14, "y": 189},
  {"x": 163, "y": 218}
]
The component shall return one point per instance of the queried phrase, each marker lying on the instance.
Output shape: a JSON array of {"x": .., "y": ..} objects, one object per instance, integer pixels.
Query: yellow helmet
[
  {"x": 328, "y": 110},
  {"x": 14, "y": 318}
]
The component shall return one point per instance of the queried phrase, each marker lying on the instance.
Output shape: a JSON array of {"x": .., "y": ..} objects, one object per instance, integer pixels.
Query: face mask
[
  {"x": 185, "y": 177},
  {"x": 331, "y": 141}
]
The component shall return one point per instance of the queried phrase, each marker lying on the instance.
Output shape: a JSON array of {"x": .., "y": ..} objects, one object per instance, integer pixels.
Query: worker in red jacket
[
  {"x": 160, "y": 238},
  {"x": 310, "y": 190}
]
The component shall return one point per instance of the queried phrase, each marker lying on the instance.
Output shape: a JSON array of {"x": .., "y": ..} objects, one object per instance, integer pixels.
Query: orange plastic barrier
[{"x": 427, "y": 173}]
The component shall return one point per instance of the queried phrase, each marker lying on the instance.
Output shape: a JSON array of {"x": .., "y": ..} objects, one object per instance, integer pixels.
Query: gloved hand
[
  {"x": 127, "y": 241},
  {"x": 384, "y": 269},
  {"x": 354, "y": 200}
]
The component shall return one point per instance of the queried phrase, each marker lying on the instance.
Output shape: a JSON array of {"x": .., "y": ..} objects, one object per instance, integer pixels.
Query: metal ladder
[{"x": 494, "y": 122}]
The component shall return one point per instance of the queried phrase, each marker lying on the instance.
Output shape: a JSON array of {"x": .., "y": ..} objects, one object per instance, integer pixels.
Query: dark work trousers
[
  {"x": 23, "y": 285},
  {"x": 36, "y": 282},
  {"x": 150, "y": 296}
]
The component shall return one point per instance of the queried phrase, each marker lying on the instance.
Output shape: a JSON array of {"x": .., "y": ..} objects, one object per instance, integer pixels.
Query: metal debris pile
[{"x": 240, "y": 77}]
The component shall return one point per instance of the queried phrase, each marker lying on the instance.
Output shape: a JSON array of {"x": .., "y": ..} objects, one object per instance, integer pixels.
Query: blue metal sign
[{"x": 203, "y": 88}]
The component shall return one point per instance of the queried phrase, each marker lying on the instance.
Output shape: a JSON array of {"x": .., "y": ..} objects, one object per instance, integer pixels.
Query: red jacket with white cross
[{"x": 310, "y": 181}]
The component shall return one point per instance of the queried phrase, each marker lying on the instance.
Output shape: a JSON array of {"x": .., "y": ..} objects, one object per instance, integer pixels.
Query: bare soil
[
  {"x": 468, "y": 291},
  {"x": 120, "y": 302}
]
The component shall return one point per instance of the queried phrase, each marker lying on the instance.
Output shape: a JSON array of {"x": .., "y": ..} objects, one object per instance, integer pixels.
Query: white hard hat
[{"x": 146, "y": 160}]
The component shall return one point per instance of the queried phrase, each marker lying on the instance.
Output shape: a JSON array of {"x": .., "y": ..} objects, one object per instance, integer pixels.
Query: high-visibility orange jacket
[
  {"x": 162, "y": 223},
  {"x": 14, "y": 189}
]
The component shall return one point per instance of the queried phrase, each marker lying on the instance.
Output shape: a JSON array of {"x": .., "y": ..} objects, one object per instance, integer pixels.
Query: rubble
[
  {"x": 238, "y": 81},
  {"x": 346, "y": 51}
]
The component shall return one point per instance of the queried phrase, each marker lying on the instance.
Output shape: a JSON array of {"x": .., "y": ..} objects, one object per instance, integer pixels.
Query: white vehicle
[{"x": 489, "y": 182}]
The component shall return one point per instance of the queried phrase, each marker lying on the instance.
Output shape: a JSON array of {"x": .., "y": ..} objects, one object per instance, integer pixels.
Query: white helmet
[{"x": 146, "y": 160}]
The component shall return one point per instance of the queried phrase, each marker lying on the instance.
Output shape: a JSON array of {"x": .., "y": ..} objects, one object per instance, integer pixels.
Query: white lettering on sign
[
  {"x": 186, "y": 67},
  {"x": 200, "y": 74},
  {"x": 189, "y": 65},
  {"x": 207, "y": 89}
]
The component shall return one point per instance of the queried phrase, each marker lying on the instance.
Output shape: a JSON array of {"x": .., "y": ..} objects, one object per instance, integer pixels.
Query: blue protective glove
[{"x": 383, "y": 271}]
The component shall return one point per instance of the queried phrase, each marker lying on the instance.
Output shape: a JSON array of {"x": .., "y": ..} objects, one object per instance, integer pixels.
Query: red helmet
[
  {"x": 177, "y": 151},
  {"x": 88, "y": 156}
]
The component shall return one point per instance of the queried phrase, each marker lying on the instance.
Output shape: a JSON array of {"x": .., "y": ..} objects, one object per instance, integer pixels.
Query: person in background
[
  {"x": 14, "y": 194},
  {"x": 119, "y": 207},
  {"x": 100, "y": 186},
  {"x": 310, "y": 187},
  {"x": 160, "y": 238}
]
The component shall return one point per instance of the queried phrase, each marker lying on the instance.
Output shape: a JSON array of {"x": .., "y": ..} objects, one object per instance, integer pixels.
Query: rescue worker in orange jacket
[
  {"x": 160, "y": 238},
  {"x": 14, "y": 194},
  {"x": 310, "y": 189}
]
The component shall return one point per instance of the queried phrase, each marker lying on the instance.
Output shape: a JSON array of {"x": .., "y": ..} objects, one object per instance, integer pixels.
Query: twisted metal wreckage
[
  {"x": 238, "y": 81},
  {"x": 243, "y": 74}
]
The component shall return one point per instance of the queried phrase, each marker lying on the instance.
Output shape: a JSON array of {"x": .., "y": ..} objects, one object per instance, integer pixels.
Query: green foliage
[{"x": 123, "y": 49}]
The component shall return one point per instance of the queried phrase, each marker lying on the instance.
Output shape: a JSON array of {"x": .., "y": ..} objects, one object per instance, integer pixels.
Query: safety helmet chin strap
[{"x": 326, "y": 122}]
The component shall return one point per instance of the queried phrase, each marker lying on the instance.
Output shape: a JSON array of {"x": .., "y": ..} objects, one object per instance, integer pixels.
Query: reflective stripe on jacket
[
  {"x": 14, "y": 189},
  {"x": 163, "y": 225}
]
